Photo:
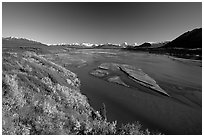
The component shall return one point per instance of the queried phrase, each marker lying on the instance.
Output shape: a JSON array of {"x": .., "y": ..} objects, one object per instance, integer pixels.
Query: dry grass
[{"x": 41, "y": 97}]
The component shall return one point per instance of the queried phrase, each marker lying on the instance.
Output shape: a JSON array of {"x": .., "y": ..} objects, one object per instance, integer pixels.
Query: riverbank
[
  {"x": 40, "y": 97},
  {"x": 194, "y": 54}
]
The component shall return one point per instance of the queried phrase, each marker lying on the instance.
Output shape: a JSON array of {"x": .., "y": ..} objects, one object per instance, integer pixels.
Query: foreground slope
[{"x": 41, "y": 97}]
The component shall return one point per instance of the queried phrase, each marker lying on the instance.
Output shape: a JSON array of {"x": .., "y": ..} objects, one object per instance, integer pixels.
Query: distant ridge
[
  {"x": 145, "y": 45},
  {"x": 16, "y": 42},
  {"x": 159, "y": 44},
  {"x": 20, "y": 42},
  {"x": 148, "y": 45},
  {"x": 188, "y": 40},
  {"x": 90, "y": 45}
]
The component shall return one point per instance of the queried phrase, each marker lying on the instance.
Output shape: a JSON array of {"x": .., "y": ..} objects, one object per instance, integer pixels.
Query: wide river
[{"x": 181, "y": 113}]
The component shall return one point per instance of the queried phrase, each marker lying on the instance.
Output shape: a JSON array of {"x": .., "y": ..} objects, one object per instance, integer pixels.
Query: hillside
[
  {"x": 190, "y": 39},
  {"x": 144, "y": 45},
  {"x": 187, "y": 45},
  {"x": 20, "y": 42}
]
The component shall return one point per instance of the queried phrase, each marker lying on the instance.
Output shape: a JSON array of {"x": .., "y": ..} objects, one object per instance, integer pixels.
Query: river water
[{"x": 181, "y": 113}]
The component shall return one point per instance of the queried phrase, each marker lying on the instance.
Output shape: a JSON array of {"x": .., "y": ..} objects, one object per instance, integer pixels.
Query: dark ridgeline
[
  {"x": 187, "y": 45},
  {"x": 189, "y": 40}
]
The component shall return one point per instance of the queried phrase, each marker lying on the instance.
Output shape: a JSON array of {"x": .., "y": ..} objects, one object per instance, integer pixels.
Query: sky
[{"x": 99, "y": 22}]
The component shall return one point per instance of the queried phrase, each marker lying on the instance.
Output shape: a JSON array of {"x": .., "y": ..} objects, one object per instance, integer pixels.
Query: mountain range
[{"x": 190, "y": 39}]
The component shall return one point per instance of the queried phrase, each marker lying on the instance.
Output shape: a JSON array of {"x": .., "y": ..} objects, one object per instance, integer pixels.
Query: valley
[
  {"x": 140, "y": 103},
  {"x": 103, "y": 80}
]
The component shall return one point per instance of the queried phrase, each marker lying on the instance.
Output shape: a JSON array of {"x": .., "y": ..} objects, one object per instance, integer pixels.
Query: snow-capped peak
[
  {"x": 123, "y": 44},
  {"x": 87, "y": 44}
]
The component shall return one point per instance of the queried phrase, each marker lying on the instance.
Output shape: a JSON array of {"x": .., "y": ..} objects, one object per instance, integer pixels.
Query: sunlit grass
[{"x": 42, "y": 97}]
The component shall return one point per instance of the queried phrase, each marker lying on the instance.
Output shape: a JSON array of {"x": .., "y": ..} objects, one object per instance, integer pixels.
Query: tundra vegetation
[{"x": 42, "y": 97}]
